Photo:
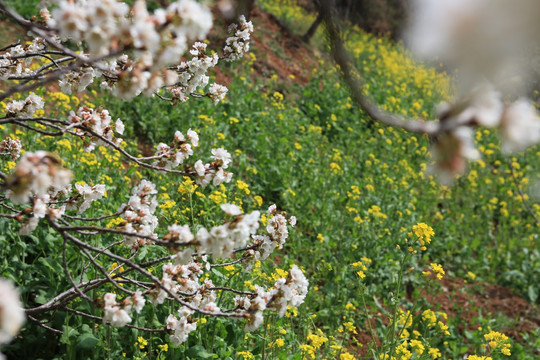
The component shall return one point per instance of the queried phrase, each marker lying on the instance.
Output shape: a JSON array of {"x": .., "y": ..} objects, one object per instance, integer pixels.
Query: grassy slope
[
  {"x": 356, "y": 188},
  {"x": 311, "y": 147}
]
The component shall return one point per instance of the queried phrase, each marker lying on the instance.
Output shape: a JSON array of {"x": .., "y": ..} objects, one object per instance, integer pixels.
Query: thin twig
[{"x": 39, "y": 323}]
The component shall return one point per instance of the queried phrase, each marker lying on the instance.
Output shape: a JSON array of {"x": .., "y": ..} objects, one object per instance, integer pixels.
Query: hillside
[{"x": 375, "y": 228}]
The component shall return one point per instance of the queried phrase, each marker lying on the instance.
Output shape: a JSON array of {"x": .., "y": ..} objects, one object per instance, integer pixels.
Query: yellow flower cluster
[
  {"x": 242, "y": 186},
  {"x": 424, "y": 233},
  {"x": 430, "y": 318},
  {"x": 434, "y": 353},
  {"x": 404, "y": 319},
  {"x": 246, "y": 355},
  {"x": 141, "y": 342},
  {"x": 354, "y": 194},
  {"x": 376, "y": 212},
  {"x": 335, "y": 168},
  {"x": 437, "y": 269},
  {"x": 218, "y": 197},
  {"x": 315, "y": 342},
  {"x": 278, "y": 343},
  {"x": 498, "y": 342},
  {"x": 346, "y": 356},
  {"x": 187, "y": 187},
  {"x": 362, "y": 266}
]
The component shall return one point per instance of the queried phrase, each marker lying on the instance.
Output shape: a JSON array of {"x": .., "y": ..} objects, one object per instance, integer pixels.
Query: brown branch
[
  {"x": 66, "y": 296},
  {"x": 356, "y": 87},
  {"x": 141, "y": 270},
  {"x": 101, "y": 319},
  {"x": 70, "y": 278},
  {"x": 39, "y": 323},
  {"x": 93, "y": 219},
  {"x": 232, "y": 290}
]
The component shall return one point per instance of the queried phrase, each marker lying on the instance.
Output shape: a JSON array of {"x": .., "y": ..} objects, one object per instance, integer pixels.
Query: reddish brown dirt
[
  {"x": 297, "y": 58},
  {"x": 278, "y": 51},
  {"x": 466, "y": 301}
]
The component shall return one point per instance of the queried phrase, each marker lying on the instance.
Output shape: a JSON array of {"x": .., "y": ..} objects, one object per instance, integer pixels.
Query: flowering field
[{"x": 374, "y": 257}]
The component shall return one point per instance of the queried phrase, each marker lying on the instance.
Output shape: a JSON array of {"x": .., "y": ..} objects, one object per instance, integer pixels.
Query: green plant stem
[
  {"x": 191, "y": 207},
  {"x": 109, "y": 342},
  {"x": 371, "y": 333},
  {"x": 151, "y": 322},
  {"x": 398, "y": 289},
  {"x": 219, "y": 304},
  {"x": 264, "y": 338}
]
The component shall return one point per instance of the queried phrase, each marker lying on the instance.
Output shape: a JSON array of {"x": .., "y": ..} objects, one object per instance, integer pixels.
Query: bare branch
[
  {"x": 140, "y": 270},
  {"x": 36, "y": 321},
  {"x": 372, "y": 110},
  {"x": 101, "y": 319}
]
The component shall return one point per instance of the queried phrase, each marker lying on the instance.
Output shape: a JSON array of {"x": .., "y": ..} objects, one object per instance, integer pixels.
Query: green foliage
[{"x": 357, "y": 189}]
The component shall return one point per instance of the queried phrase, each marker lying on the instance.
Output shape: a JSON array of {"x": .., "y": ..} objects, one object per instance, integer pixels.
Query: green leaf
[
  {"x": 199, "y": 352},
  {"x": 142, "y": 253},
  {"x": 218, "y": 273},
  {"x": 87, "y": 341},
  {"x": 69, "y": 333},
  {"x": 533, "y": 293},
  {"x": 45, "y": 262}
]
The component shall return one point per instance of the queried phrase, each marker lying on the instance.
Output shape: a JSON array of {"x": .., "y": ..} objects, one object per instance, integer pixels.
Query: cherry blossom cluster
[
  {"x": 518, "y": 123},
  {"x": 39, "y": 210},
  {"x": 183, "y": 277},
  {"x": 26, "y": 107},
  {"x": 110, "y": 25},
  {"x": 117, "y": 314},
  {"x": 11, "y": 147},
  {"x": 221, "y": 240},
  {"x": 14, "y": 62},
  {"x": 12, "y": 315},
  {"x": 77, "y": 81},
  {"x": 87, "y": 195},
  {"x": 34, "y": 175},
  {"x": 132, "y": 50},
  {"x": 215, "y": 172},
  {"x": 114, "y": 313},
  {"x": 277, "y": 234},
  {"x": 180, "y": 149},
  {"x": 40, "y": 179},
  {"x": 155, "y": 42},
  {"x": 181, "y": 326},
  {"x": 138, "y": 215},
  {"x": 491, "y": 51},
  {"x": 255, "y": 307},
  {"x": 58, "y": 200},
  {"x": 291, "y": 291},
  {"x": 192, "y": 74},
  {"x": 238, "y": 44},
  {"x": 99, "y": 122},
  {"x": 178, "y": 278},
  {"x": 285, "y": 292}
]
